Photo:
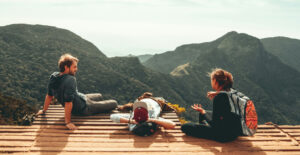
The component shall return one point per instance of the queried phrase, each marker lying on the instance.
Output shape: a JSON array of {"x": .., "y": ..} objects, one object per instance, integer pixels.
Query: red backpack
[{"x": 242, "y": 106}]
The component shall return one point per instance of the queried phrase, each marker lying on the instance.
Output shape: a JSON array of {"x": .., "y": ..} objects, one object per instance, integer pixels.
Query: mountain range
[
  {"x": 257, "y": 72},
  {"x": 29, "y": 54},
  {"x": 286, "y": 49}
]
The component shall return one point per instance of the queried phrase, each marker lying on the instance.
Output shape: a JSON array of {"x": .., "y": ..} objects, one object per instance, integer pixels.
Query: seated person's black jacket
[{"x": 225, "y": 125}]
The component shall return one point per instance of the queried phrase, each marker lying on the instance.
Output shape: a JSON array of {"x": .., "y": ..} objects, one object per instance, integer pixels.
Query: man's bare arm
[
  {"x": 68, "y": 110},
  {"x": 47, "y": 102}
]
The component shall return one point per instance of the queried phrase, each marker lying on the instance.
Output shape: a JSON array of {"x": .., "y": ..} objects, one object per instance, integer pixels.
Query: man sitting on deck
[{"x": 63, "y": 86}]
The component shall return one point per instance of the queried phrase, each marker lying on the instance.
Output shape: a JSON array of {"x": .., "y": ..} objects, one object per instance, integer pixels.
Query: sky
[{"x": 123, "y": 27}]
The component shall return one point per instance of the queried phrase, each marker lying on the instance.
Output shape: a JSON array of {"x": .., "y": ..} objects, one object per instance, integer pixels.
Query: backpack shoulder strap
[{"x": 233, "y": 100}]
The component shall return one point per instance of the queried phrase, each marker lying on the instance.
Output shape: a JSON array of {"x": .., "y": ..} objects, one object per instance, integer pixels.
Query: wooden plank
[
  {"x": 87, "y": 131},
  {"x": 268, "y": 131},
  {"x": 141, "y": 144},
  {"x": 177, "y": 129},
  {"x": 55, "y": 105},
  {"x": 210, "y": 143},
  {"x": 204, "y": 152},
  {"x": 109, "y": 131},
  {"x": 289, "y": 126},
  {"x": 16, "y": 127},
  {"x": 264, "y": 143},
  {"x": 14, "y": 149},
  {"x": 55, "y": 108},
  {"x": 39, "y": 127},
  {"x": 126, "y": 153},
  {"x": 179, "y": 134},
  {"x": 86, "y": 135},
  {"x": 18, "y": 138},
  {"x": 192, "y": 139},
  {"x": 297, "y": 138},
  {"x": 295, "y": 134},
  {"x": 270, "y": 134},
  {"x": 15, "y": 143},
  {"x": 86, "y": 149},
  {"x": 265, "y": 127},
  {"x": 99, "y": 139},
  {"x": 292, "y": 130},
  {"x": 60, "y": 135},
  {"x": 265, "y": 148},
  {"x": 281, "y": 152},
  {"x": 256, "y": 138},
  {"x": 18, "y": 130},
  {"x": 228, "y": 149}
]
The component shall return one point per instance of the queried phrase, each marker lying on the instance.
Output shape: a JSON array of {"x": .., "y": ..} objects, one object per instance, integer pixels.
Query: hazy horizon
[{"x": 137, "y": 27}]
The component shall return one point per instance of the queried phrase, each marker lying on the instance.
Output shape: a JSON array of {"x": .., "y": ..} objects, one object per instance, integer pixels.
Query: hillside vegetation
[{"x": 286, "y": 49}]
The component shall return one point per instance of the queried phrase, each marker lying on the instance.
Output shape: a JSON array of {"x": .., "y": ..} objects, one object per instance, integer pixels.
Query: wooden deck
[{"x": 97, "y": 134}]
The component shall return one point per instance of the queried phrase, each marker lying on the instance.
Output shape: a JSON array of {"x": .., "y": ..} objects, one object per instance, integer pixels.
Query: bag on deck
[{"x": 145, "y": 129}]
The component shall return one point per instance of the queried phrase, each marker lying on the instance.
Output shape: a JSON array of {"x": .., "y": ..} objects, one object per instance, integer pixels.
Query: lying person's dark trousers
[{"x": 219, "y": 131}]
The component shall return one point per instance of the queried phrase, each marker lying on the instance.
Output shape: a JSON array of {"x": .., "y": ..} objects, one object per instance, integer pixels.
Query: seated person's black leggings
[{"x": 205, "y": 130}]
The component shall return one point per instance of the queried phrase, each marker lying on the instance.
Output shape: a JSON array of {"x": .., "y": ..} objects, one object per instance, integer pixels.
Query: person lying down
[{"x": 144, "y": 118}]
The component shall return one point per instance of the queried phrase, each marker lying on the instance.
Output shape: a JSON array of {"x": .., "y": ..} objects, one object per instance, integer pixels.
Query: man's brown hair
[{"x": 66, "y": 60}]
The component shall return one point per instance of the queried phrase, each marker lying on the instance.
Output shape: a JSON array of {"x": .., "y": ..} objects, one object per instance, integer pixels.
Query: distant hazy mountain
[
  {"x": 168, "y": 61},
  {"x": 286, "y": 49},
  {"x": 144, "y": 57}
]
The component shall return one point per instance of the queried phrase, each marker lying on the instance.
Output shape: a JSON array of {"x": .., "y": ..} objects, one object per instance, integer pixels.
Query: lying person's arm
[
  {"x": 167, "y": 124},
  {"x": 122, "y": 118},
  {"x": 126, "y": 120}
]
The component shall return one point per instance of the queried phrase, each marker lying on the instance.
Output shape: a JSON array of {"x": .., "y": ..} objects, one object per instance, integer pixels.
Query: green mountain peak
[{"x": 233, "y": 42}]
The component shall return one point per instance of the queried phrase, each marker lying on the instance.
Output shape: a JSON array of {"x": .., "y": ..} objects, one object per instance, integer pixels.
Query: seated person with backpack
[
  {"x": 144, "y": 119},
  {"x": 233, "y": 113}
]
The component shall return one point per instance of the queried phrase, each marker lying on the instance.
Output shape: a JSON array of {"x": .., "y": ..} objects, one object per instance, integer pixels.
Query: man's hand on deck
[
  {"x": 39, "y": 113},
  {"x": 71, "y": 126}
]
